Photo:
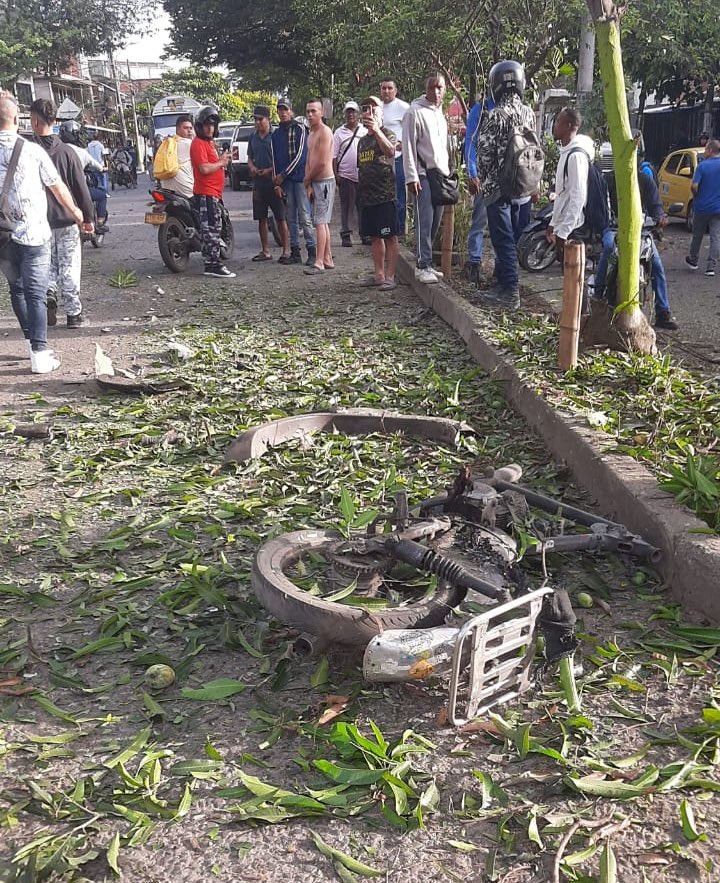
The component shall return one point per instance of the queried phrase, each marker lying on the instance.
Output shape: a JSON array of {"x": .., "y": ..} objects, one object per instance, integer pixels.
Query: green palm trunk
[
  {"x": 625, "y": 163},
  {"x": 628, "y": 328}
]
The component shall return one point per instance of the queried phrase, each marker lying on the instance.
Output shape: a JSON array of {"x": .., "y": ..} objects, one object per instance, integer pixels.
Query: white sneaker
[
  {"x": 29, "y": 347},
  {"x": 43, "y": 362},
  {"x": 427, "y": 276}
]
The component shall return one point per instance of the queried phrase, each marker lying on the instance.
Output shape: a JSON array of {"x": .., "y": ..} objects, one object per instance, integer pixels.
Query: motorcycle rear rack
[{"x": 493, "y": 657}]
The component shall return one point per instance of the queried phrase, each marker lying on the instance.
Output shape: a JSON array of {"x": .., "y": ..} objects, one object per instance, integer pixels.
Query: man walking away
[
  {"x": 345, "y": 167},
  {"x": 706, "y": 187},
  {"x": 25, "y": 261},
  {"x": 319, "y": 184},
  {"x": 376, "y": 194},
  {"x": 394, "y": 110},
  {"x": 289, "y": 142},
  {"x": 507, "y": 85},
  {"x": 425, "y": 146},
  {"x": 266, "y": 194},
  {"x": 66, "y": 244},
  {"x": 209, "y": 180}
]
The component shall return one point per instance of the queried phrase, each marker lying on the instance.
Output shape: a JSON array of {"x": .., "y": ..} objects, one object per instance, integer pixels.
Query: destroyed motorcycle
[
  {"x": 409, "y": 569},
  {"x": 178, "y": 227}
]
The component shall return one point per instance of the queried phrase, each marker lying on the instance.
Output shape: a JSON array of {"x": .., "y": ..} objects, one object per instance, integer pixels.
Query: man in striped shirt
[{"x": 289, "y": 143}]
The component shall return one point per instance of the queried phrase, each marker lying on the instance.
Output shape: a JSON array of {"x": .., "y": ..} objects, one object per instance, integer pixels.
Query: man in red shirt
[{"x": 209, "y": 175}]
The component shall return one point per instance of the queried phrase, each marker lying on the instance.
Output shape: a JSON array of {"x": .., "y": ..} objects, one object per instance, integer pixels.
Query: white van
[{"x": 168, "y": 109}]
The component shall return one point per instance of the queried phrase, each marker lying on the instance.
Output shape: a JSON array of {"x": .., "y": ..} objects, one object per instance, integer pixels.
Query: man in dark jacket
[
  {"x": 652, "y": 206},
  {"x": 289, "y": 142},
  {"x": 506, "y": 82},
  {"x": 66, "y": 245}
]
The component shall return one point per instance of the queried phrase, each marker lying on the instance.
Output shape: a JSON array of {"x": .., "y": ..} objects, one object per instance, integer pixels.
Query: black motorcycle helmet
[
  {"x": 506, "y": 77},
  {"x": 206, "y": 114},
  {"x": 70, "y": 132}
]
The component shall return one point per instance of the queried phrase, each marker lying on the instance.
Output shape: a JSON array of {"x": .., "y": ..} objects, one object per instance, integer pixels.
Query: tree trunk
[
  {"x": 630, "y": 329},
  {"x": 586, "y": 59},
  {"x": 708, "y": 115}
]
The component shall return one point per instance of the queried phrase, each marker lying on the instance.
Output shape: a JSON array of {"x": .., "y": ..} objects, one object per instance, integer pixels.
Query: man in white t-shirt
[
  {"x": 345, "y": 166},
  {"x": 394, "y": 109},
  {"x": 25, "y": 261},
  {"x": 182, "y": 182}
]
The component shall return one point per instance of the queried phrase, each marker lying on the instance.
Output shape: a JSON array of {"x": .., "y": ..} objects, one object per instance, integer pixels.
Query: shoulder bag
[{"x": 7, "y": 225}]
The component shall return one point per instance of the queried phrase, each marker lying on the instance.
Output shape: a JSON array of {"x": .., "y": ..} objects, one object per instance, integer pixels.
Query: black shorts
[
  {"x": 264, "y": 197},
  {"x": 379, "y": 221}
]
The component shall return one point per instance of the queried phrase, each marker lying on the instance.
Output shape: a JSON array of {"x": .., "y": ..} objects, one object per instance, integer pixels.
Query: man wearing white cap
[{"x": 345, "y": 142}]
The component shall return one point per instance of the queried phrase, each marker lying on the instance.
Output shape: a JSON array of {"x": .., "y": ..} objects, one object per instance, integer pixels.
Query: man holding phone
[{"x": 208, "y": 182}]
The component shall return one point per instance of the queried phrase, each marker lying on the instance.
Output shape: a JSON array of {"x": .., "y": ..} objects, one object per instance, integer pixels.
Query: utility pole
[
  {"x": 140, "y": 154},
  {"x": 121, "y": 111},
  {"x": 586, "y": 59}
]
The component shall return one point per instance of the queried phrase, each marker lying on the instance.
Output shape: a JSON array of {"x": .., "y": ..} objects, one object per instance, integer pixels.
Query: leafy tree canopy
[
  {"x": 46, "y": 34},
  {"x": 295, "y": 44}
]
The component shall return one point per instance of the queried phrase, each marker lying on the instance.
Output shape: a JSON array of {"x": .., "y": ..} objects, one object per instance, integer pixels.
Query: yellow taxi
[{"x": 674, "y": 180}]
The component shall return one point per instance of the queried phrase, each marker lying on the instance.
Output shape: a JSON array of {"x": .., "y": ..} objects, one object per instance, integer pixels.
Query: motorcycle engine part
[
  {"x": 342, "y": 623},
  {"x": 354, "y": 561}
]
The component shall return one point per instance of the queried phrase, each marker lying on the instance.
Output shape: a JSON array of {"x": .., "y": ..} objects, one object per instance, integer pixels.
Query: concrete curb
[{"x": 624, "y": 489}]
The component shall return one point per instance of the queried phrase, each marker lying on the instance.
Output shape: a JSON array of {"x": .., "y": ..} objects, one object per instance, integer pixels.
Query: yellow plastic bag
[{"x": 166, "y": 163}]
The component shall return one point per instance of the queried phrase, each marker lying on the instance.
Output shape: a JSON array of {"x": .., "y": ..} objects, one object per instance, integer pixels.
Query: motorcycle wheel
[
  {"x": 535, "y": 253},
  {"x": 273, "y": 228},
  {"x": 341, "y": 623},
  {"x": 228, "y": 237},
  {"x": 173, "y": 245},
  {"x": 97, "y": 240}
]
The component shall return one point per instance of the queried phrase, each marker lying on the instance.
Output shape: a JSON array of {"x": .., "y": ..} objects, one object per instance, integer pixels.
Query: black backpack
[
  {"x": 523, "y": 163},
  {"x": 597, "y": 207}
]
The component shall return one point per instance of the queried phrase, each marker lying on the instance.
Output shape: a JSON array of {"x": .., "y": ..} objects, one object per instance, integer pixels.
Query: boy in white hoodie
[
  {"x": 425, "y": 146},
  {"x": 571, "y": 178}
]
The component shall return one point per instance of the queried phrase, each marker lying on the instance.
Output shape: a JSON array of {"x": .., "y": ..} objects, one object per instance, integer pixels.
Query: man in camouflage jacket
[{"x": 507, "y": 83}]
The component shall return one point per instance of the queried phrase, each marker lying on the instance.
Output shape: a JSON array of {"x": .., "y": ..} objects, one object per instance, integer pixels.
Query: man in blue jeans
[
  {"x": 506, "y": 81},
  {"x": 706, "y": 187},
  {"x": 425, "y": 146},
  {"x": 651, "y": 205},
  {"x": 479, "y": 213},
  {"x": 289, "y": 142},
  {"x": 25, "y": 262}
]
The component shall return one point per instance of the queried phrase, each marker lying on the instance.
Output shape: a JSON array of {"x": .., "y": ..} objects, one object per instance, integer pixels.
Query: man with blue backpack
[
  {"x": 576, "y": 204},
  {"x": 651, "y": 206}
]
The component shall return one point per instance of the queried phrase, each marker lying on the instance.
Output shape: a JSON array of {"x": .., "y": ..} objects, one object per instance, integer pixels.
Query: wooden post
[
  {"x": 573, "y": 281},
  {"x": 448, "y": 231}
]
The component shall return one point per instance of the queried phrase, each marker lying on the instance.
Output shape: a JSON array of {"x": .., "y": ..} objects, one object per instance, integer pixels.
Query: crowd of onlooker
[{"x": 388, "y": 155}]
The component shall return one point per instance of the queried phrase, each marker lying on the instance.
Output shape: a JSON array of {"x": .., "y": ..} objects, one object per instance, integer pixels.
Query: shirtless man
[{"x": 320, "y": 184}]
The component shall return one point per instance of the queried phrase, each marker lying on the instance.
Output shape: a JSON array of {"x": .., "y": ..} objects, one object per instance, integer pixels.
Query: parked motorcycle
[
  {"x": 535, "y": 253},
  {"x": 179, "y": 229}
]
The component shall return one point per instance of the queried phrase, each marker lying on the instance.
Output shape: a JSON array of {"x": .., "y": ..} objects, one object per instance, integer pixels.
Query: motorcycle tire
[
  {"x": 273, "y": 228},
  {"x": 173, "y": 245},
  {"x": 97, "y": 240},
  {"x": 535, "y": 253},
  {"x": 337, "y": 622},
  {"x": 228, "y": 237}
]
